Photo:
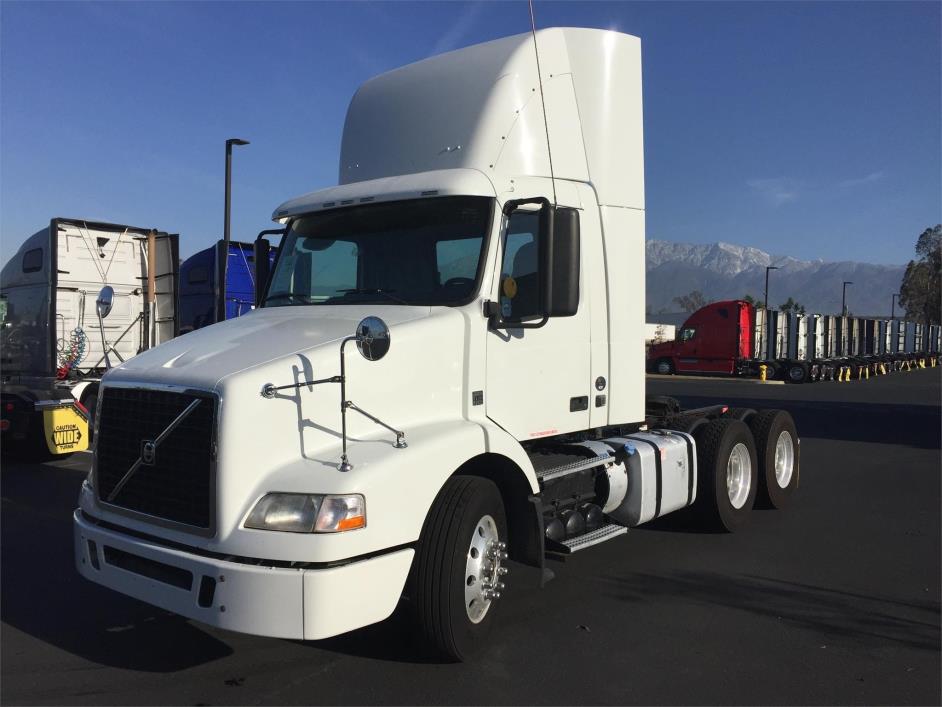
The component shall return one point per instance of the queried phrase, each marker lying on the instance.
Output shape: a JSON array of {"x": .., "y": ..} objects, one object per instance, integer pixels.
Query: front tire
[
  {"x": 727, "y": 478},
  {"x": 458, "y": 565},
  {"x": 664, "y": 366},
  {"x": 778, "y": 452}
]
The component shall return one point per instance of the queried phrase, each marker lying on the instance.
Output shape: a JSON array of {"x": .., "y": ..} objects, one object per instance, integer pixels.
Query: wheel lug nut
[
  {"x": 501, "y": 586},
  {"x": 501, "y": 571},
  {"x": 503, "y": 555},
  {"x": 502, "y": 545}
]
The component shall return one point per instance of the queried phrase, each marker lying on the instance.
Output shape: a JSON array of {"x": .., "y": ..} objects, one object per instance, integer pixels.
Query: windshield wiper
[
  {"x": 373, "y": 291},
  {"x": 291, "y": 297}
]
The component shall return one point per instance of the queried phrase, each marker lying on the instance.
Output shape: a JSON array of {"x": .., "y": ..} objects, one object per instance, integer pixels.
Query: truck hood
[
  {"x": 204, "y": 357},
  {"x": 661, "y": 349}
]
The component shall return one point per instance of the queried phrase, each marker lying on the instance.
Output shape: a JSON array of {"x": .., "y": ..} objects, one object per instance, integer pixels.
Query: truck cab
[
  {"x": 445, "y": 372},
  {"x": 712, "y": 340},
  {"x": 54, "y": 347}
]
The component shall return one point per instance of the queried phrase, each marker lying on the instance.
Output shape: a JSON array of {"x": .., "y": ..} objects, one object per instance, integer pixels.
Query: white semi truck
[
  {"x": 446, "y": 372},
  {"x": 55, "y": 347}
]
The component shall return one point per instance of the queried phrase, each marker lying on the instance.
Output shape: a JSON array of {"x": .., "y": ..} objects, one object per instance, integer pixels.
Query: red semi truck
[{"x": 714, "y": 339}]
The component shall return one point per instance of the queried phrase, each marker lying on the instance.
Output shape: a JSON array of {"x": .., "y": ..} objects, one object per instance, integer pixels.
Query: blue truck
[{"x": 200, "y": 300}]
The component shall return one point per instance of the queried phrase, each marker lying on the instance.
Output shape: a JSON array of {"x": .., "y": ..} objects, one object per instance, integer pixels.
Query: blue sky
[{"x": 807, "y": 129}]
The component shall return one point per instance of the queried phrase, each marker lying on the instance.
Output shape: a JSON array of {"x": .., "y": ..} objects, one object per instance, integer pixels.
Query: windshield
[{"x": 421, "y": 252}]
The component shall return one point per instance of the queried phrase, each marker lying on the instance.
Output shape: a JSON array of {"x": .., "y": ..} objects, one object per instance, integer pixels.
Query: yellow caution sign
[{"x": 66, "y": 429}]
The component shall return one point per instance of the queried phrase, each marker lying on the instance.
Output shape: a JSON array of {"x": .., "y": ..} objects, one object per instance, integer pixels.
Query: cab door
[
  {"x": 538, "y": 379},
  {"x": 688, "y": 344}
]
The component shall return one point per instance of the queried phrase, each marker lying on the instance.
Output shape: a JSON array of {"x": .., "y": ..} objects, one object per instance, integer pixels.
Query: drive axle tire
[
  {"x": 778, "y": 451},
  {"x": 458, "y": 564},
  {"x": 740, "y": 413},
  {"x": 727, "y": 477}
]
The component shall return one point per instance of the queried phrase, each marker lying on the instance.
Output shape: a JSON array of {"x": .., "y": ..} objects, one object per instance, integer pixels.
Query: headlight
[
  {"x": 308, "y": 513},
  {"x": 339, "y": 513}
]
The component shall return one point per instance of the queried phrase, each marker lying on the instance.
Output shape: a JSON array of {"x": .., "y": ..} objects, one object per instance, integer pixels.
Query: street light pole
[
  {"x": 223, "y": 266},
  {"x": 844, "y": 297},
  {"x": 893, "y": 306},
  {"x": 766, "y": 302}
]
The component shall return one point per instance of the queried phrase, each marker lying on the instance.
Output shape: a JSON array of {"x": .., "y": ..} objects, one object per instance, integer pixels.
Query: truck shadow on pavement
[
  {"x": 44, "y": 596},
  {"x": 872, "y": 620},
  {"x": 879, "y": 423}
]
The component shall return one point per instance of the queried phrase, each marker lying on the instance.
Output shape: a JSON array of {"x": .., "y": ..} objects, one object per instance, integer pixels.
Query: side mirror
[
  {"x": 558, "y": 258},
  {"x": 561, "y": 283},
  {"x": 372, "y": 337},
  {"x": 105, "y": 301},
  {"x": 262, "y": 269}
]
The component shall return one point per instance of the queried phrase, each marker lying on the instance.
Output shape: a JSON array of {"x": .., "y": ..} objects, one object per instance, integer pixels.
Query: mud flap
[{"x": 65, "y": 429}]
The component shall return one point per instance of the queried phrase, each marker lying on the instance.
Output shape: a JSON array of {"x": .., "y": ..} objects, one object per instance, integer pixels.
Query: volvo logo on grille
[{"x": 148, "y": 451}]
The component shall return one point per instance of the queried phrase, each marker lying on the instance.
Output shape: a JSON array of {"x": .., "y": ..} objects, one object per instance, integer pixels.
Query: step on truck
[
  {"x": 55, "y": 345},
  {"x": 446, "y": 373},
  {"x": 735, "y": 338}
]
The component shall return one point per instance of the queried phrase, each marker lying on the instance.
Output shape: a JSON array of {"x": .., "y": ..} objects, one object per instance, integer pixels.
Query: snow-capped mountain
[{"x": 726, "y": 271}]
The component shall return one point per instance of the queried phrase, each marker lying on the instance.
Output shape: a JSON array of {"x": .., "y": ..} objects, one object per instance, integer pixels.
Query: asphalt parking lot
[{"x": 835, "y": 600}]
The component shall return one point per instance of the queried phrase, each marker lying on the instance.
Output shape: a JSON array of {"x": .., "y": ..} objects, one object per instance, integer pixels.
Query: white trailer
[
  {"x": 446, "y": 372},
  {"x": 54, "y": 347}
]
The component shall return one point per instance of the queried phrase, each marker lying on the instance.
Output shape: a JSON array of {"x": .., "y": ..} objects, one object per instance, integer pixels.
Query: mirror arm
[
  {"x": 268, "y": 391},
  {"x": 514, "y": 204},
  {"x": 261, "y": 287},
  {"x": 400, "y": 435},
  {"x": 104, "y": 344},
  {"x": 494, "y": 320}
]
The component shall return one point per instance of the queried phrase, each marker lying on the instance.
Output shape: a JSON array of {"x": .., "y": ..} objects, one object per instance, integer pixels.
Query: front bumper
[{"x": 262, "y": 600}]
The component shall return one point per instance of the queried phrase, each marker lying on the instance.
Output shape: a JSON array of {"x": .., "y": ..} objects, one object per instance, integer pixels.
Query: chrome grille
[{"x": 176, "y": 484}]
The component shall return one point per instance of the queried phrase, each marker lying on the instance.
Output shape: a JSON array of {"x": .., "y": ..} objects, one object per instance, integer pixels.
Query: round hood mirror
[
  {"x": 105, "y": 301},
  {"x": 372, "y": 337}
]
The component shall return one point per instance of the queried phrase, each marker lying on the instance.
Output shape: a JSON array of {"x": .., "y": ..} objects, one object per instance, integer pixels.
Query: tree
[
  {"x": 692, "y": 302},
  {"x": 757, "y": 303},
  {"x": 789, "y": 305},
  {"x": 920, "y": 292}
]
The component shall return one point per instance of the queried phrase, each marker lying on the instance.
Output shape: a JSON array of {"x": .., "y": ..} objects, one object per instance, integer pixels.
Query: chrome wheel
[
  {"x": 738, "y": 475},
  {"x": 663, "y": 367},
  {"x": 483, "y": 569},
  {"x": 784, "y": 459}
]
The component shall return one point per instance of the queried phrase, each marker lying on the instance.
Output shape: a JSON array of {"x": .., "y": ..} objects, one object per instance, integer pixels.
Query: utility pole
[
  {"x": 844, "y": 297},
  {"x": 222, "y": 267}
]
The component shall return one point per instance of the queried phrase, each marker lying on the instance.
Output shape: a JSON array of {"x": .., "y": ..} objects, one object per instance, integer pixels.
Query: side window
[
  {"x": 33, "y": 260},
  {"x": 687, "y": 333},
  {"x": 198, "y": 275},
  {"x": 519, "y": 276}
]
